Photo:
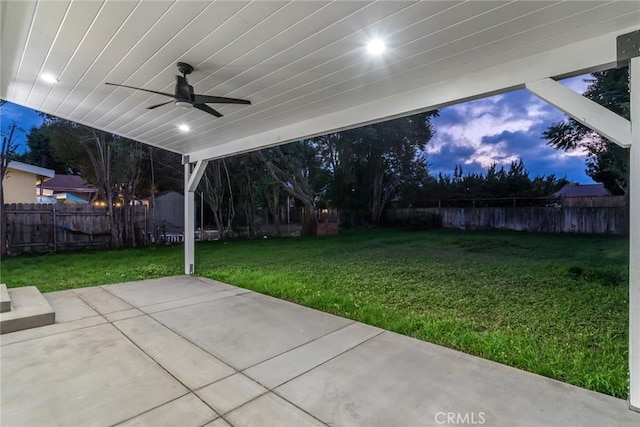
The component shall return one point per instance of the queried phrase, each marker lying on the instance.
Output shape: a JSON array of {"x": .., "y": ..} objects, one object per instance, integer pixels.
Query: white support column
[
  {"x": 634, "y": 238},
  {"x": 189, "y": 223},
  {"x": 191, "y": 180}
]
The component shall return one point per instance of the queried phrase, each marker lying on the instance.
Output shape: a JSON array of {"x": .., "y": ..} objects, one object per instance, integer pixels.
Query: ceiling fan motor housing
[{"x": 184, "y": 93}]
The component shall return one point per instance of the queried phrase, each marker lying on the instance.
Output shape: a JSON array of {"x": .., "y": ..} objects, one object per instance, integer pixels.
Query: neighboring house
[
  {"x": 69, "y": 199},
  {"x": 21, "y": 182},
  {"x": 169, "y": 212},
  {"x": 582, "y": 190},
  {"x": 69, "y": 188}
]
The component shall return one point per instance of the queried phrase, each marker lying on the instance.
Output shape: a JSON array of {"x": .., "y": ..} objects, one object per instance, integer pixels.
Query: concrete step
[
  {"x": 5, "y": 299},
  {"x": 29, "y": 309}
]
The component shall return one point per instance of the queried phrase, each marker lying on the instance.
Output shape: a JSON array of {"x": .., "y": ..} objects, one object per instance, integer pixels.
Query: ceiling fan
[{"x": 184, "y": 96}]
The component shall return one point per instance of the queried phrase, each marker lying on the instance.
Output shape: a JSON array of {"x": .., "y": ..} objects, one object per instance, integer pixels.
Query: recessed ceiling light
[
  {"x": 49, "y": 78},
  {"x": 376, "y": 47},
  {"x": 184, "y": 128}
]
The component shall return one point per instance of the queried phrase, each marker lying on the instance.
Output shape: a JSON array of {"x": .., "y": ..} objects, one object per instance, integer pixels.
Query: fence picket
[{"x": 51, "y": 228}]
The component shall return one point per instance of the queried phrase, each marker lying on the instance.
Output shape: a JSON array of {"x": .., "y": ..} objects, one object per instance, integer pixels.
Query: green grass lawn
[{"x": 556, "y": 305}]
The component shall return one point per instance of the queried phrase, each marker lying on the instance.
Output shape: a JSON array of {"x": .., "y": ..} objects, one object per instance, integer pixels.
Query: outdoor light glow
[
  {"x": 183, "y": 128},
  {"x": 49, "y": 78},
  {"x": 376, "y": 47}
]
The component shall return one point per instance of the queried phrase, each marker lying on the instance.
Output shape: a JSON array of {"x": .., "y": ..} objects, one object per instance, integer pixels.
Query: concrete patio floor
[{"x": 188, "y": 351}]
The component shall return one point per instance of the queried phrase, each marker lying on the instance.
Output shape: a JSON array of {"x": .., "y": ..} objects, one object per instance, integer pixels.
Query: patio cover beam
[
  {"x": 196, "y": 175},
  {"x": 585, "y": 111},
  {"x": 564, "y": 61}
]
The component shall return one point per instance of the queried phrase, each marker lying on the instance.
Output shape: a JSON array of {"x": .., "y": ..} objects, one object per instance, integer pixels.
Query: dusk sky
[{"x": 500, "y": 129}]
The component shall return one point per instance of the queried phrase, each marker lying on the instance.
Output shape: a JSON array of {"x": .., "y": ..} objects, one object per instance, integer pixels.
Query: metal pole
[{"x": 201, "y": 215}]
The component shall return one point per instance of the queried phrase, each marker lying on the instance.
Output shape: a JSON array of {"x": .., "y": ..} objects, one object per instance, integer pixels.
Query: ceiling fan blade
[
  {"x": 145, "y": 90},
  {"x": 207, "y": 109},
  {"x": 201, "y": 99},
  {"x": 159, "y": 105}
]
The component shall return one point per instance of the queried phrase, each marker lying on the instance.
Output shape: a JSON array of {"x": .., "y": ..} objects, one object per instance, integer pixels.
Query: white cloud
[
  {"x": 482, "y": 118},
  {"x": 472, "y": 134}
]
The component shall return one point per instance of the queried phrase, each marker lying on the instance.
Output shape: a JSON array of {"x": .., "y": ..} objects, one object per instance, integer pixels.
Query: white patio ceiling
[{"x": 302, "y": 64}]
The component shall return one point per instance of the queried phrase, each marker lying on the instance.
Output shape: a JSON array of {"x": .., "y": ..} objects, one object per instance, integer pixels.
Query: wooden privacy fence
[
  {"x": 594, "y": 202},
  {"x": 52, "y": 228},
  {"x": 596, "y": 220}
]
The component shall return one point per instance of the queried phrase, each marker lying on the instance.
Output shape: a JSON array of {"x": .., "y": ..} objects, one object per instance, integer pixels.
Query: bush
[{"x": 420, "y": 221}]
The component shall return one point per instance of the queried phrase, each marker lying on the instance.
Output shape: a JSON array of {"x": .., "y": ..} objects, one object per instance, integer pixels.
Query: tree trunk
[
  {"x": 8, "y": 149},
  {"x": 380, "y": 197},
  {"x": 273, "y": 203},
  {"x": 214, "y": 194},
  {"x": 116, "y": 237},
  {"x": 310, "y": 221},
  {"x": 297, "y": 187},
  {"x": 152, "y": 197},
  {"x": 276, "y": 209},
  {"x": 231, "y": 213}
]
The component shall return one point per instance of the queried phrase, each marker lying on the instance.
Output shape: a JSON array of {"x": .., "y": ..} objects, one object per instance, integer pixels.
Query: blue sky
[
  {"x": 25, "y": 118},
  {"x": 500, "y": 129}
]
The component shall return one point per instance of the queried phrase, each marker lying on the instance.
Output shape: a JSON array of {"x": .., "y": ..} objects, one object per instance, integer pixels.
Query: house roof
[
  {"x": 582, "y": 190},
  {"x": 36, "y": 170},
  {"x": 304, "y": 65},
  {"x": 63, "y": 183},
  {"x": 70, "y": 199}
]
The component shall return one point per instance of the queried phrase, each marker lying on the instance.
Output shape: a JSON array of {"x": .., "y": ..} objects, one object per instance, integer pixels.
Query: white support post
[
  {"x": 191, "y": 180},
  {"x": 196, "y": 174},
  {"x": 189, "y": 223},
  {"x": 634, "y": 238}
]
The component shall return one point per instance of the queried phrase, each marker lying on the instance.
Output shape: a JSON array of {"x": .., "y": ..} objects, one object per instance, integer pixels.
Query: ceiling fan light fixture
[
  {"x": 184, "y": 104},
  {"x": 376, "y": 47}
]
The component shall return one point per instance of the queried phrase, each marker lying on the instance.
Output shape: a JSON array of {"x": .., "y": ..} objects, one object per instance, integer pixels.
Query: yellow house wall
[{"x": 19, "y": 187}]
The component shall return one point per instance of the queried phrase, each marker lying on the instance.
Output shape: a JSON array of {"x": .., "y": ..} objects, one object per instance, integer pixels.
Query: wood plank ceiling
[{"x": 295, "y": 61}]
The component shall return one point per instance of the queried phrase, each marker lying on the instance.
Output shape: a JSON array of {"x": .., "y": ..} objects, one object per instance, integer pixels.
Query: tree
[
  {"x": 297, "y": 168},
  {"x": 42, "y": 153},
  {"x": 606, "y": 162},
  {"x": 128, "y": 158},
  {"x": 374, "y": 164},
  {"x": 249, "y": 172},
  {"x": 111, "y": 163},
  {"x": 496, "y": 183},
  {"x": 218, "y": 192},
  {"x": 7, "y": 151}
]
